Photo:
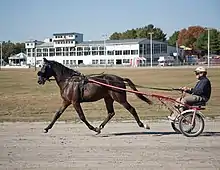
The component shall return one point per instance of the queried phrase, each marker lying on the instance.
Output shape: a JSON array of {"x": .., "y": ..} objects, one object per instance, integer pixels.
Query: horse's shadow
[{"x": 155, "y": 134}]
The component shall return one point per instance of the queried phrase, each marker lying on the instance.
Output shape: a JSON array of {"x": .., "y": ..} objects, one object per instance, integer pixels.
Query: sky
[{"x": 22, "y": 20}]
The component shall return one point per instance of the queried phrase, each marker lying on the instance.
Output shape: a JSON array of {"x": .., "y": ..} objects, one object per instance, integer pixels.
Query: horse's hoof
[
  {"x": 146, "y": 126},
  {"x": 98, "y": 133},
  {"x": 45, "y": 130},
  {"x": 98, "y": 130}
]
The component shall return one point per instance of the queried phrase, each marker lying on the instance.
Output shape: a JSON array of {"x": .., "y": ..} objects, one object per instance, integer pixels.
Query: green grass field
[{"x": 22, "y": 99}]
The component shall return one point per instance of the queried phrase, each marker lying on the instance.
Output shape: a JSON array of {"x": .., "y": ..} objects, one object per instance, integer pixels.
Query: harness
[{"x": 81, "y": 79}]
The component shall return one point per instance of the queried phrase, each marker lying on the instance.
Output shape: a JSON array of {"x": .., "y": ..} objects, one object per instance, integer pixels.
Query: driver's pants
[{"x": 190, "y": 99}]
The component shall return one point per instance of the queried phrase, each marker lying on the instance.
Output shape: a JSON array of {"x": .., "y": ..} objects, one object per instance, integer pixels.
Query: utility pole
[
  {"x": 1, "y": 55},
  {"x": 177, "y": 53},
  {"x": 104, "y": 36},
  {"x": 151, "y": 49},
  {"x": 35, "y": 56},
  {"x": 208, "y": 46}
]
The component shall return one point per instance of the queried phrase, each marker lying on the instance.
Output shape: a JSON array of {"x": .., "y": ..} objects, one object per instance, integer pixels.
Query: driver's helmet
[{"x": 200, "y": 70}]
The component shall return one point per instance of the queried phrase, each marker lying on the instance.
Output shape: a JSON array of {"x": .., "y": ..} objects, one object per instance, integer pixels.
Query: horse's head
[{"x": 46, "y": 72}]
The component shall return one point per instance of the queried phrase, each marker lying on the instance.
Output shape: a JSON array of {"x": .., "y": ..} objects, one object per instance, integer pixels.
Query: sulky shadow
[
  {"x": 155, "y": 134},
  {"x": 210, "y": 134},
  {"x": 138, "y": 133}
]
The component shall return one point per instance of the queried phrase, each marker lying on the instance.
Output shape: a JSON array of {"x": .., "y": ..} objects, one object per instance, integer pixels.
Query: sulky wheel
[{"x": 188, "y": 128}]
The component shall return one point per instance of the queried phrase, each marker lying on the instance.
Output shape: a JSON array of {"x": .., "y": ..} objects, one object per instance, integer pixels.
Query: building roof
[
  {"x": 66, "y": 33},
  {"x": 45, "y": 44},
  {"x": 124, "y": 41},
  {"x": 18, "y": 56},
  {"x": 34, "y": 41},
  {"x": 41, "y": 44},
  {"x": 129, "y": 41}
]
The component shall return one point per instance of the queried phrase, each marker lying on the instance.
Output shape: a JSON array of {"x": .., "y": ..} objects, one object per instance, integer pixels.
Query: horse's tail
[{"x": 133, "y": 87}]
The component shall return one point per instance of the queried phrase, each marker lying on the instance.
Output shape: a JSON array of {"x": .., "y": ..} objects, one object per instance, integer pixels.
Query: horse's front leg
[
  {"x": 79, "y": 110},
  {"x": 65, "y": 104}
]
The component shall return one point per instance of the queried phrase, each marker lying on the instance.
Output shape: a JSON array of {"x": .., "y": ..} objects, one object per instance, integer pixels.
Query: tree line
[
  {"x": 142, "y": 32},
  {"x": 194, "y": 37},
  {"x": 9, "y": 48}
]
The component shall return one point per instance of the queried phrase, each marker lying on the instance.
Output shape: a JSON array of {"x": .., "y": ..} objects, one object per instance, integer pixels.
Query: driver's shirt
[{"x": 202, "y": 88}]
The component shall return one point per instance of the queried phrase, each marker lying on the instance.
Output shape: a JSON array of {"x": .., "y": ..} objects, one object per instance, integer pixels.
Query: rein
[
  {"x": 82, "y": 76},
  {"x": 139, "y": 86}
]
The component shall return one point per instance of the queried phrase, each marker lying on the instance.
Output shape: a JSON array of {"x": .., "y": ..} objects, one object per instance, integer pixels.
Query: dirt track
[{"x": 120, "y": 146}]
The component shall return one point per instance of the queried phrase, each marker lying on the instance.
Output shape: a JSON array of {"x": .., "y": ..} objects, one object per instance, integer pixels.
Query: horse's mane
[
  {"x": 63, "y": 69},
  {"x": 68, "y": 72}
]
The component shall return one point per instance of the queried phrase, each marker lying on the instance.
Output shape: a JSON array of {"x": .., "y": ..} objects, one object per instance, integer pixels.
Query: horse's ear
[{"x": 45, "y": 60}]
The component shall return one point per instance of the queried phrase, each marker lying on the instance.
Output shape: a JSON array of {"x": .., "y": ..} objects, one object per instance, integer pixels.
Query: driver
[{"x": 199, "y": 94}]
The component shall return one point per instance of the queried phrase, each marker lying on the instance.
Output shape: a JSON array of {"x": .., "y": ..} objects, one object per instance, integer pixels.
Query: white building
[{"x": 70, "y": 49}]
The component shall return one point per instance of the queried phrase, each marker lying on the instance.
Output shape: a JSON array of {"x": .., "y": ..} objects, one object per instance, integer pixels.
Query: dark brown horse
[{"x": 75, "y": 88}]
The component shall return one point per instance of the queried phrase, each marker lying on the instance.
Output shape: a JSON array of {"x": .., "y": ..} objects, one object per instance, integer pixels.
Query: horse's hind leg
[
  {"x": 135, "y": 115},
  {"x": 79, "y": 110},
  {"x": 110, "y": 109}
]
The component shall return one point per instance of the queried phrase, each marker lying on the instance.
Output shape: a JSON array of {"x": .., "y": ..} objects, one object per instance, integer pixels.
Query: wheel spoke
[{"x": 189, "y": 128}]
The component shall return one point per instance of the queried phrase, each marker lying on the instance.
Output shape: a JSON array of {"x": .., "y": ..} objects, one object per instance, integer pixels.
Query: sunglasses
[{"x": 197, "y": 73}]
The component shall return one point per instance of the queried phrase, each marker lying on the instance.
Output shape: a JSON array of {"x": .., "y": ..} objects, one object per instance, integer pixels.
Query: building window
[
  {"x": 118, "y": 61},
  {"x": 65, "y": 49},
  {"x": 45, "y": 49},
  {"x": 163, "y": 48},
  {"x": 38, "y": 50},
  {"x": 156, "y": 49},
  {"x": 95, "y": 53},
  {"x": 101, "y": 48},
  {"x": 134, "y": 52},
  {"x": 45, "y": 54},
  {"x": 63, "y": 62},
  {"x": 39, "y": 54},
  {"x": 67, "y": 62},
  {"x": 126, "y": 52},
  {"x": 148, "y": 49},
  {"x": 79, "y": 53},
  {"x": 101, "y": 52},
  {"x": 102, "y": 61},
  {"x": 126, "y": 61},
  {"x": 51, "y": 52},
  {"x": 72, "y": 53},
  {"x": 58, "y": 54},
  {"x": 94, "y": 61},
  {"x": 110, "y": 52},
  {"x": 111, "y": 61},
  {"x": 142, "y": 49},
  {"x": 79, "y": 49},
  {"x": 86, "y": 53},
  {"x": 72, "y": 49},
  {"x": 118, "y": 52},
  {"x": 58, "y": 49},
  {"x": 86, "y": 48},
  {"x": 94, "y": 48}
]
